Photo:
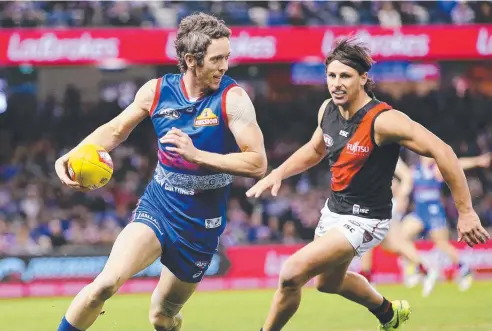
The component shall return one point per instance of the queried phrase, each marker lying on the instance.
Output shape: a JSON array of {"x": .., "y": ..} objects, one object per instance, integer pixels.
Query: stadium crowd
[
  {"x": 38, "y": 215},
  {"x": 17, "y": 14}
]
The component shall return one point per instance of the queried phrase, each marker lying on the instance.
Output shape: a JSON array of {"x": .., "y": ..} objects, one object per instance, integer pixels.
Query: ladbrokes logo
[
  {"x": 50, "y": 47},
  {"x": 207, "y": 118},
  {"x": 385, "y": 45},
  {"x": 355, "y": 148}
]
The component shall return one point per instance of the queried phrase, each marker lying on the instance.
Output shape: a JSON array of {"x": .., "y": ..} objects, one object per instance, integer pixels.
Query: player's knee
[
  {"x": 291, "y": 276},
  {"x": 165, "y": 323},
  {"x": 102, "y": 290}
]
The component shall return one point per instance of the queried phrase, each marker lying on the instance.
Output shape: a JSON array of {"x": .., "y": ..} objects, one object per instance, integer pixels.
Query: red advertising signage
[
  {"x": 250, "y": 267},
  {"x": 249, "y": 45}
]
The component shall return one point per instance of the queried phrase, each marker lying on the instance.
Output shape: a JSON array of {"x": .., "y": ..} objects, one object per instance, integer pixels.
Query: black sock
[{"x": 384, "y": 313}]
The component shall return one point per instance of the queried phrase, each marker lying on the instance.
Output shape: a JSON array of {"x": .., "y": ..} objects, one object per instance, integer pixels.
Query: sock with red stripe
[{"x": 384, "y": 313}]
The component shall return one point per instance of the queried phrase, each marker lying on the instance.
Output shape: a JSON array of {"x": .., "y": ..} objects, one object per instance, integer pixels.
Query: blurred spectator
[
  {"x": 462, "y": 13},
  {"x": 484, "y": 12},
  {"x": 388, "y": 16}
]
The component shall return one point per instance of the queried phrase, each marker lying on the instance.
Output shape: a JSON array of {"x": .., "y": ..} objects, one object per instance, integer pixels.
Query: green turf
[{"x": 446, "y": 309}]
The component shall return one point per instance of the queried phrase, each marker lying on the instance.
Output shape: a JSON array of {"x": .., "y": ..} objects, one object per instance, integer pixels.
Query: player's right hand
[
  {"x": 273, "y": 180},
  {"x": 470, "y": 230},
  {"x": 61, "y": 168}
]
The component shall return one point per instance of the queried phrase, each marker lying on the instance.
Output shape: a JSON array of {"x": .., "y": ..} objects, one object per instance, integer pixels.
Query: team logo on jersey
[
  {"x": 328, "y": 140},
  {"x": 206, "y": 118},
  {"x": 169, "y": 113}
]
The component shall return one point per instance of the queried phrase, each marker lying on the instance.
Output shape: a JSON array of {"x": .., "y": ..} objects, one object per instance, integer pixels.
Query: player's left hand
[
  {"x": 184, "y": 144},
  {"x": 470, "y": 230}
]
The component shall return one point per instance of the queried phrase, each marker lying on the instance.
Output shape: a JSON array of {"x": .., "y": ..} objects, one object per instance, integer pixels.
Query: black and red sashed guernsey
[{"x": 361, "y": 170}]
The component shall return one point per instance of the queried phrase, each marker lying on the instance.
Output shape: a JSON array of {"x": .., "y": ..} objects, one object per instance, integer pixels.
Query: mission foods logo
[{"x": 206, "y": 118}]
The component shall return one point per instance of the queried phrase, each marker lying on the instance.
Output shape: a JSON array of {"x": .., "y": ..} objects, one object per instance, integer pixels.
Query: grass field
[{"x": 446, "y": 309}]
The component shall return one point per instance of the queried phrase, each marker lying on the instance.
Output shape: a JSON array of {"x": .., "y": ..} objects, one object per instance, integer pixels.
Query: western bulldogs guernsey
[
  {"x": 361, "y": 171},
  {"x": 185, "y": 204},
  {"x": 427, "y": 197}
]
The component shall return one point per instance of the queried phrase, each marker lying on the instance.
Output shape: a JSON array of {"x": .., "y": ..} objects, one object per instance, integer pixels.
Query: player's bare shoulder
[
  {"x": 239, "y": 109},
  {"x": 237, "y": 98},
  {"x": 146, "y": 94},
  {"x": 390, "y": 126}
]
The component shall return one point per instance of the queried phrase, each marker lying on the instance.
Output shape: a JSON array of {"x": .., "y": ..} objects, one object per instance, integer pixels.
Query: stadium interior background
[{"x": 46, "y": 108}]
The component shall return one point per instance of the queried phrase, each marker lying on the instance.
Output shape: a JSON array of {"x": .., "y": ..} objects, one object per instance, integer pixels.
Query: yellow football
[{"x": 91, "y": 166}]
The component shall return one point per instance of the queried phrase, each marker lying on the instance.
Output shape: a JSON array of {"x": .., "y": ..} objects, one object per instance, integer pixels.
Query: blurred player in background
[
  {"x": 401, "y": 188},
  {"x": 429, "y": 217},
  {"x": 361, "y": 138},
  {"x": 207, "y": 133},
  {"x": 399, "y": 240}
]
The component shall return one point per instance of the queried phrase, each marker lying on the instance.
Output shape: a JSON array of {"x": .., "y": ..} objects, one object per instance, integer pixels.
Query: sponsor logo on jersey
[
  {"x": 328, "y": 140},
  {"x": 343, "y": 133},
  {"x": 169, "y": 113},
  {"x": 212, "y": 223},
  {"x": 355, "y": 148},
  {"x": 206, "y": 118}
]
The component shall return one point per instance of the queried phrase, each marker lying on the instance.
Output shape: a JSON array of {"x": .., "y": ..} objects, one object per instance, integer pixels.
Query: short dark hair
[
  {"x": 195, "y": 33},
  {"x": 354, "y": 54}
]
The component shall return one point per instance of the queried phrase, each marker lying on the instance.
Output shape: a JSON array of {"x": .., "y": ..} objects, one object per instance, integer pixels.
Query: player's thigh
[
  {"x": 170, "y": 295},
  {"x": 135, "y": 248},
  {"x": 366, "y": 260},
  {"x": 411, "y": 226},
  {"x": 324, "y": 253},
  {"x": 394, "y": 237}
]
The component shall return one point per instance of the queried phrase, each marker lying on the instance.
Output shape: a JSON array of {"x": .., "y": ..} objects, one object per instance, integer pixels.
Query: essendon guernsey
[{"x": 361, "y": 170}]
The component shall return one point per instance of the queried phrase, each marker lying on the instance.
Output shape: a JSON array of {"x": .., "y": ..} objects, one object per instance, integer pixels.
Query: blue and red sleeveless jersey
[{"x": 190, "y": 198}]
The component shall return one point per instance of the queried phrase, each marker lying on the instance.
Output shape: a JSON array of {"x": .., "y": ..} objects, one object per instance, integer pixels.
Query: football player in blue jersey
[
  {"x": 207, "y": 132},
  {"x": 429, "y": 217}
]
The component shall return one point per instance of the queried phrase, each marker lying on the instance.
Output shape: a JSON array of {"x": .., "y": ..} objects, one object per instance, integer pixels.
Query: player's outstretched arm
[
  {"x": 304, "y": 158},
  {"x": 481, "y": 161},
  {"x": 466, "y": 163},
  {"x": 394, "y": 126},
  {"x": 113, "y": 133}
]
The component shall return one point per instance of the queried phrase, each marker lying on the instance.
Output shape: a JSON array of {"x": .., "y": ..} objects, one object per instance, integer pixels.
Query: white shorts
[{"x": 362, "y": 233}]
